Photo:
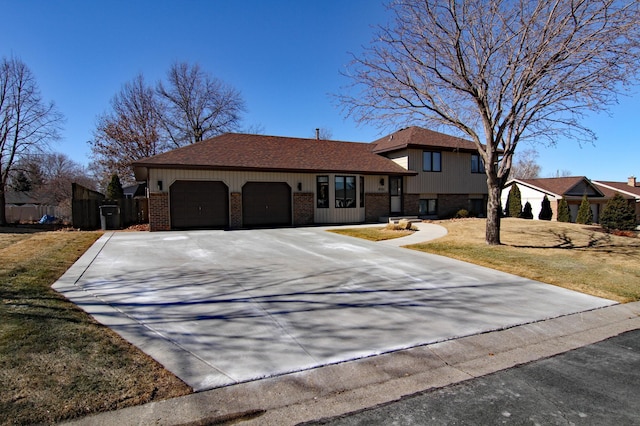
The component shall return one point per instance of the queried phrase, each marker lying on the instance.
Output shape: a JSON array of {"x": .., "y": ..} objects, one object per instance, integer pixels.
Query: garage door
[
  {"x": 199, "y": 204},
  {"x": 266, "y": 204}
]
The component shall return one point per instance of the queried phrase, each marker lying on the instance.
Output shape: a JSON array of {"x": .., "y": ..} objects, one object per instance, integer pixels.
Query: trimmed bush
[
  {"x": 564, "y": 214},
  {"x": 514, "y": 202},
  {"x": 585, "y": 215},
  {"x": 527, "y": 212},
  {"x": 618, "y": 214},
  {"x": 462, "y": 213},
  {"x": 546, "y": 213}
]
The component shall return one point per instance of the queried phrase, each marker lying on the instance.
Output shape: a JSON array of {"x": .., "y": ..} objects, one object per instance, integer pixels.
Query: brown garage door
[
  {"x": 199, "y": 204},
  {"x": 266, "y": 204}
]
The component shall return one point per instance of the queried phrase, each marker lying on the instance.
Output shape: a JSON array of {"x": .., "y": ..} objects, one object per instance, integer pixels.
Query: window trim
[
  {"x": 343, "y": 203},
  {"x": 319, "y": 184},
  {"x": 432, "y": 161},
  {"x": 479, "y": 164},
  {"x": 429, "y": 212}
]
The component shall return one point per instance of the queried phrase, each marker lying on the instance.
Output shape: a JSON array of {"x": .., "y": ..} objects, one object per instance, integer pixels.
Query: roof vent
[{"x": 317, "y": 134}]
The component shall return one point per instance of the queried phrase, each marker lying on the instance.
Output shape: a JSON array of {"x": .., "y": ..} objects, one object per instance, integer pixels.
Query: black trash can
[{"x": 109, "y": 217}]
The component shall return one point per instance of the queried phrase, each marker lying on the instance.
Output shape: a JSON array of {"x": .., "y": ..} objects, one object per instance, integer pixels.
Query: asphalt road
[{"x": 594, "y": 385}]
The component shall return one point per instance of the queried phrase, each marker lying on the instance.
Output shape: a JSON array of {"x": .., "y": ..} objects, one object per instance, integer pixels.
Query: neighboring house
[
  {"x": 135, "y": 191},
  {"x": 629, "y": 189},
  {"x": 241, "y": 180},
  {"x": 571, "y": 188},
  {"x": 27, "y": 207}
]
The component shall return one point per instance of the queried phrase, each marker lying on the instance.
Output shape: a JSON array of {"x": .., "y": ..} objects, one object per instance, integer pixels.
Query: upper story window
[
  {"x": 431, "y": 161},
  {"x": 345, "y": 191},
  {"x": 477, "y": 165}
]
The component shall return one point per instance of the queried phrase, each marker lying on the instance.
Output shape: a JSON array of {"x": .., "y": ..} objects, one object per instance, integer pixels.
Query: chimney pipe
[
  {"x": 317, "y": 134},
  {"x": 631, "y": 181}
]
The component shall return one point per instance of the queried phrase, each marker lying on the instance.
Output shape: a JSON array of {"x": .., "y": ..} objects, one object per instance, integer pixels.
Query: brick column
[
  {"x": 235, "y": 221},
  {"x": 159, "y": 212},
  {"x": 303, "y": 211}
]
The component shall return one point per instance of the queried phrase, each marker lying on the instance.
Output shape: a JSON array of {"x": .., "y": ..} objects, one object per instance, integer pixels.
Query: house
[
  {"x": 629, "y": 189},
  {"x": 450, "y": 173},
  {"x": 572, "y": 189},
  {"x": 242, "y": 180}
]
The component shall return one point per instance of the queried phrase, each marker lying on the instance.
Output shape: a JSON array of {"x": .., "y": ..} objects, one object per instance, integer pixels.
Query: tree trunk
[
  {"x": 494, "y": 210},
  {"x": 3, "y": 215}
]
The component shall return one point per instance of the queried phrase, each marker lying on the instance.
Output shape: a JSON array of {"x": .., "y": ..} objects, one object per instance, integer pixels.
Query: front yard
[
  {"x": 577, "y": 257},
  {"x": 56, "y": 362}
]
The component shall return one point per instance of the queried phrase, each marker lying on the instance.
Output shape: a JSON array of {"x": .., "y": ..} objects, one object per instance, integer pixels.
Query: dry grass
[
  {"x": 576, "y": 257},
  {"x": 56, "y": 362},
  {"x": 374, "y": 233}
]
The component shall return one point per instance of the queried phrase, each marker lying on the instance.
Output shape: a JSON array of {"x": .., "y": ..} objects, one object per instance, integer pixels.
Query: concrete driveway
[{"x": 223, "y": 307}]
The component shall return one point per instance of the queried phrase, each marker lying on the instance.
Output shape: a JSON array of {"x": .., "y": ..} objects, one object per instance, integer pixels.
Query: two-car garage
[{"x": 205, "y": 204}]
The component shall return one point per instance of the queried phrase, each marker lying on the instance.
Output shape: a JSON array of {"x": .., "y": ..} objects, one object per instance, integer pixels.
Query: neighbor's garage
[
  {"x": 266, "y": 204},
  {"x": 199, "y": 204}
]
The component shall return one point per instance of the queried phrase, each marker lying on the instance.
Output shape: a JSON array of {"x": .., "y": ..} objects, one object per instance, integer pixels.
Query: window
[
  {"x": 477, "y": 165},
  {"x": 478, "y": 207},
  {"x": 431, "y": 161},
  {"x": 361, "y": 191},
  {"x": 428, "y": 207},
  {"x": 345, "y": 192},
  {"x": 322, "y": 190}
]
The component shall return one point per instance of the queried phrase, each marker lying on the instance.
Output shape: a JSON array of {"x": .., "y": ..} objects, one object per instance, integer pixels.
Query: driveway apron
[{"x": 223, "y": 307}]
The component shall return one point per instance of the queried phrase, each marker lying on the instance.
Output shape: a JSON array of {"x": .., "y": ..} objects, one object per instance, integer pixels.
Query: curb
[{"x": 355, "y": 385}]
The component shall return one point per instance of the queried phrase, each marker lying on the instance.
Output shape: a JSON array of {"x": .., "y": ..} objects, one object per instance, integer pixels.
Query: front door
[{"x": 395, "y": 192}]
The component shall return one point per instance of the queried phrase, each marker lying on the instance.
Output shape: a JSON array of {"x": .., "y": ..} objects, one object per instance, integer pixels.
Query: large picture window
[
  {"x": 322, "y": 190},
  {"x": 477, "y": 165},
  {"x": 431, "y": 161},
  {"x": 345, "y": 192}
]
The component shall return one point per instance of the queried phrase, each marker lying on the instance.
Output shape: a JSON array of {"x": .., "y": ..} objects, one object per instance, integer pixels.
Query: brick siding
[
  {"x": 449, "y": 204},
  {"x": 303, "y": 210},
  {"x": 376, "y": 205},
  {"x": 412, "y": 204},
  {"x": 159, "y": 211},
  {"x": 235, "y": 221}
]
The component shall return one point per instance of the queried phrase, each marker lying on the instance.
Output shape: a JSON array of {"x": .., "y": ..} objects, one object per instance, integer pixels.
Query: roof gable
[
  {"x": 274, "y": 153},
  {"x": 417, "y": 137},
  {"x": 574, "y": 186}
]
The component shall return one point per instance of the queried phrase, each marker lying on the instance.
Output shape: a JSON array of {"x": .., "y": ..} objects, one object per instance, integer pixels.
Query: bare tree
[
  {"x": 197, "y": 106},
  {"x": 498, "y": 72},
  {"x": 50, "y": 176},
  {"x": 27, "y": 123},
  {"x": 129, "y": 132},
  {"x": 525, "y": 165}
]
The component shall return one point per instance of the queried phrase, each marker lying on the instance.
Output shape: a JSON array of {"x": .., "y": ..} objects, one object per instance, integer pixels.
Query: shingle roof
[
  {"x": 558, "y": 186},
  {"x": 621, "y": 187},
  {"x": 274, "y": 153},
  {"x": 419, "y": 137}
]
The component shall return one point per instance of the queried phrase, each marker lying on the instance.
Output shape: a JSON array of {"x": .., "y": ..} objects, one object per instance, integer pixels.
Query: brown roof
[
  {"x": 562, "y": 186},
  {"x": 234, "y": 151},
  {"x": 417, "y": 137},
  {"x": 619, "y": 187}
]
